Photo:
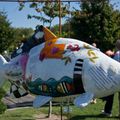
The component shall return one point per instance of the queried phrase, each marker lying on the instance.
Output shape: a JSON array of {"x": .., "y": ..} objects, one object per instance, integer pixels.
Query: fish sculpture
[{"x": 62, "y": 68}]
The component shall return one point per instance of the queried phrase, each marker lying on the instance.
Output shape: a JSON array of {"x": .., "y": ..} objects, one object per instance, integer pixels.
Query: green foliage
[
  {"x": 10, "y": 37},
  {"x": 3, "y": 107},
  {"x": 66, "y": 30},
  {"x": 47, "y": 11},
  {"x": 19, "y": 35},
  {"x": 2, "y": 92},
  {"x": 96, "y": 22},
  {"x": 6, "y": 86},
  {"x": 6, "y": 32}
]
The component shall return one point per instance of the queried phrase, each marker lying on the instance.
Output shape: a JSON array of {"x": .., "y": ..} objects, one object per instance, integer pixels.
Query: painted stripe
[
  {"x": 98, "y": 75},
  {"x": 78, "y": 64},
  {"x": 98, "y": 85},
  {"x": 77, "y": 78},
  {"x": 110, "y": 78},
  {"x": 78, "y": 85},
  {"x": 77, "y": 69},
  {"x": 107, "y": 78},
  {"x": 78, "y": 72},
  {"x": 64, "y": 86},
  {"x": 95, "y": 72},
  {"x": 96, "y": 78},
  {"x": 104, "y": 80},
  {"x": 104, "y": 76},
  {"x": 81, "y": 60}
]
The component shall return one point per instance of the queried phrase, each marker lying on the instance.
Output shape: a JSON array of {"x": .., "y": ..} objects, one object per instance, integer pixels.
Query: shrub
[{"x": 3, "y": 107}]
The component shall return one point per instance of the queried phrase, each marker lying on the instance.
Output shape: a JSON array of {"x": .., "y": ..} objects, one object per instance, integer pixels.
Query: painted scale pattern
[{"x": 65, "y": 86}]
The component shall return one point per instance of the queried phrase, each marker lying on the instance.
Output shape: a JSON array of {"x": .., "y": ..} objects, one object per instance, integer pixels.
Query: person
[
  {"x": 117, "y": 53},
  {"x": 107, "y": 111},
  {"x": 17, "y": 50},
  {"x": 94, "y": 44},
  {"x": 110, "y": 53},
  {"x": 34, "y": 40},
  {"x": 26, "y": 45},
  {"x": 37, "y": 38},
  {"x": 109, "y": 99},
  {"x": 14, "y": 53},
  {"x": 6, "y": 56}
]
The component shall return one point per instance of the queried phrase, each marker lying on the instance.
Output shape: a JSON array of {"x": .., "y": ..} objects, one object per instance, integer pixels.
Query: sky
[{"x": 19, "y": 18}]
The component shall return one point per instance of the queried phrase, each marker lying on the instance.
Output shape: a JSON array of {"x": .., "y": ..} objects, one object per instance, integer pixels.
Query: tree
[
  {"x": 6, "y": 32},
  {"x": 66, "y": 31},
  {"x": 46, "y": 11},
  {"x": 19, "y": 35},
  {"x": 96, "y": 22}
]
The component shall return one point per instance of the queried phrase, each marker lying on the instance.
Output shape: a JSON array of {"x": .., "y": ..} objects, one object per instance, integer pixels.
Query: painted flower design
[
  {"x": 54, "y": 50},
  {"x": 49, "y": 43},
  {"x": 73, "y": 47}
]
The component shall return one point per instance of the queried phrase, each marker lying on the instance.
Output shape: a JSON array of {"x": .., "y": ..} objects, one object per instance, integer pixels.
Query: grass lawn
[{"x": 91, "y": 112}]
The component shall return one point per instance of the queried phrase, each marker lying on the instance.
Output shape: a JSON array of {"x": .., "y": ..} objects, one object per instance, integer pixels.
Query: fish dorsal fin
[
  {"x": 83, "y": 100},
  {"x": 48, "y": 34}
]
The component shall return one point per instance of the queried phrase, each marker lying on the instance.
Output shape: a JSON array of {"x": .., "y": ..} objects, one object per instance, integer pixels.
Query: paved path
[
  {"x": 26, "y": 102},
  {"x": 53, "y": 117},
  {"x": 18, "y": 102}
]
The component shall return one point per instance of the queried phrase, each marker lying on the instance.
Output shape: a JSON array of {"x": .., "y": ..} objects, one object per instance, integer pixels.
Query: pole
[
  {"x": 50, "y": 109},
  {"x": 61, "y": 109},
  {"x": 60, "y": 28},
  {"x": 69, "y": 26}
]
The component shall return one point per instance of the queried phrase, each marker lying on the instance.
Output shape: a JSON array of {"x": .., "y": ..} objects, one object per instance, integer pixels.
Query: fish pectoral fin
[
  {"x": 41, "y": 100},
  {"x": 83, "y": 100}
]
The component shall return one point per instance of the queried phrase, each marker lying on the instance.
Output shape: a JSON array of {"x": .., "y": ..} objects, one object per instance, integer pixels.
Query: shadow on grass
[{"x": 83, "y": 117}]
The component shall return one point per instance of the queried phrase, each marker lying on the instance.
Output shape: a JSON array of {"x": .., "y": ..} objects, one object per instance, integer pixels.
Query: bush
[{"x": 3, "y": 107}]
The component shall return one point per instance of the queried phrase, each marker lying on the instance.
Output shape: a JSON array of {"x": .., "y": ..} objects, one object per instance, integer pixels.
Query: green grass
[
  {"x": 19, "y": 114},
  {"x": 6, "y": 86},
  {"x": 25, "y": 113},
  {"x": 91, "y": 112}
]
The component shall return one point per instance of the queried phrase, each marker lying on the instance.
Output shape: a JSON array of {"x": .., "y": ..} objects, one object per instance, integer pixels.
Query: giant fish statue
[{"x": 59, "y": 68}]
